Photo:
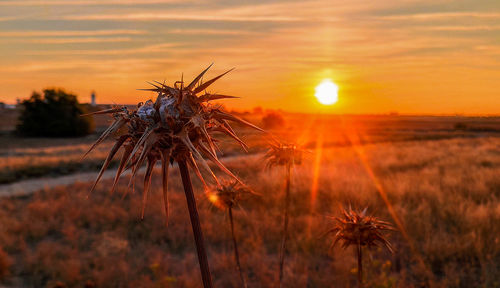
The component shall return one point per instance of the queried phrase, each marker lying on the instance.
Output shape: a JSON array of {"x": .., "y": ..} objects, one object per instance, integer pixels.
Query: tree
[
  {"x": 56, "y": 114},
  {"x": 273, "y": 120}
]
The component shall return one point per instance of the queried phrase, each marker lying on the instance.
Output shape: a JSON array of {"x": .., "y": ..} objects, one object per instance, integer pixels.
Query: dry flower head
[
  {"x": 280, "y": 154},
  {"x": 229, "y": 194},
  {"x": 357, "y": 228},
  {"x": 177, "y": 126}
]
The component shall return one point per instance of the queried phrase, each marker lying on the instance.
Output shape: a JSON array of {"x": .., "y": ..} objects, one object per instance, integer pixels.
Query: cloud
[
  {"x": 8, "y": 18},
  {"x": 148, "y": 49},
  {"x": 100, "y": 67},
  {"x": 211, "y": 32},
  {"x": 182, "y": 17},
  {"x": 489, "y": 49},
  {"x": 77, "y": 40},
  {"x": 465, "y": 28},
  {"x": 315, "y": 11},
  {"x": 88, "y": 2},
  {"x": 442, "y": 15},
  {"x": 70, "y": 33}
]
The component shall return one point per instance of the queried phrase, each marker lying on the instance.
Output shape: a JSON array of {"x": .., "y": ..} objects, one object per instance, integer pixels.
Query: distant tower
[{"x": 92, "y": 98}]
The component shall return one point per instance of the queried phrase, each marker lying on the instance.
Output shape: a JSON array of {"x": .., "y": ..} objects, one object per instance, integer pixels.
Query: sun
[{"x": 327, "y": 92}]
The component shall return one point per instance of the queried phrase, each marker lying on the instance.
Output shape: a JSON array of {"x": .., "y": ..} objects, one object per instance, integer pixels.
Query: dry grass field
[
  {"x": 24, "y": 158},
  {"x": 441, "y": 182}
]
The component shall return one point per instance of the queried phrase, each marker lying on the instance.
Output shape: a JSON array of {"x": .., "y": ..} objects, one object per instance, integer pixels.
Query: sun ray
[{"x": 315, "y": 176}]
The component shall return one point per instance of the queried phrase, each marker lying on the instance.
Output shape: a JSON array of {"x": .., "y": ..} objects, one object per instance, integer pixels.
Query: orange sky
[{"x": 431, "y": 56}]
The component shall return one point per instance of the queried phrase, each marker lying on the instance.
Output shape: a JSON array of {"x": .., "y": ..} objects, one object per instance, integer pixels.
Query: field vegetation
[
  {"x": 24, "y": 158},
  {"x": 446, "y": 193}
]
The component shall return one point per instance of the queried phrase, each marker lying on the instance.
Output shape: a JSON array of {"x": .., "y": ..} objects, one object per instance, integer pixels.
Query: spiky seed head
[
  {"x": 177, "y": 126},
  {"x": 280, "y": 154},
  {"x": 228, "y": 194},
  {"x": 358, "y": 228}
]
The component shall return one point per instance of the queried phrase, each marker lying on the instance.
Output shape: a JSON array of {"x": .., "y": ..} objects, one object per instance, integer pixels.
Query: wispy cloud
[
  {"x": 465, "y": 28},
  {"x": 489, "y": 48},
  {"x": 78, "y": 40},
  {"x": 87, "y": 2},
  {"x": 182, "y": 17},
  {"x": 100, "y": 66},
  {"x": 319, "y": 10},
  {"x": 148, "y": 49},
  {"x": 70, "y": 33},
  {"x": 8, "y": 18},
  {"x": 442, "y": 15},
  {"x": 211, "y": 32}
]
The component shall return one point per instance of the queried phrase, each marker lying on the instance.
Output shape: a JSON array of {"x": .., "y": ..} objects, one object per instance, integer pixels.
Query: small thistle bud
[
  {"x": 280, "y": 154},
  {"x": 358, "y": 228},
  {"x": 228, "y": 195}
]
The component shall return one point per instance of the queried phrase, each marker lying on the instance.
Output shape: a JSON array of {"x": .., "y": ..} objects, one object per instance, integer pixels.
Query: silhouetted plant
[
  {"x": 286, "y": 155},
  {"x": 358, "y": 229},
  {"x": 176, "y": 127},
  {"x": 227, "y": 196},
  {"x": 55, "y": 114}
]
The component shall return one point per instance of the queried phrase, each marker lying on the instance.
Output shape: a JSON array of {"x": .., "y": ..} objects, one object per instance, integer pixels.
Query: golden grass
[
  {"x": 446, "y": 193},
  {"x": 22, "y": 157}
]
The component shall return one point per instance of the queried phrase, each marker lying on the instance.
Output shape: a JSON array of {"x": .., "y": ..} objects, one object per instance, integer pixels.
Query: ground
[{"x": 439, "y": 175}]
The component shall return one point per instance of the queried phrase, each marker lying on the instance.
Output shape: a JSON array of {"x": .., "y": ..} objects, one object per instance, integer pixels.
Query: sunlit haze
[{"x": 410, "y": 57}]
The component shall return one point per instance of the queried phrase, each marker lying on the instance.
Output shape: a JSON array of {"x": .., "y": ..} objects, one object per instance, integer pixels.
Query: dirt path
[
  {"x": 27, "y": 187},
  {"x": 30, "y": 186}
]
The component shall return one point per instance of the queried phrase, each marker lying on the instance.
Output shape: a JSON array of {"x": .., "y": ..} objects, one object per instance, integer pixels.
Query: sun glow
[{"x": 327, "y": 92}]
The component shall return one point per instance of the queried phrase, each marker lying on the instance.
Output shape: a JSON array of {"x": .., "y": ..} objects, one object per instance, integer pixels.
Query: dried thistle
[
  {"x": 227, "y": 196},
  {"x": 280, "y": 154},
  {"x": 177, "y": 126},
  {"x": 286, "y": 155},
  {"x": 359, "y": 229}
]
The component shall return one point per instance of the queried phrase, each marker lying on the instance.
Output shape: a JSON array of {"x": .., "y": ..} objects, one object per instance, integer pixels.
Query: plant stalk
[
  {"x": 285, "y": 224},
  {"x": 236, "y": 254},
  {"x": 195, "y": 223},
  {"x": 360, "y": 266}
]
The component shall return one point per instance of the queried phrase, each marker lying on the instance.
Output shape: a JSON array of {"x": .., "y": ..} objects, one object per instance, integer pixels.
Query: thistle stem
[
  {"x": 236, "y": 254},
  {"x": 195, "y": 223},
  {"x": 285, "y": 224},
  {"x": 360, "y": 266}
]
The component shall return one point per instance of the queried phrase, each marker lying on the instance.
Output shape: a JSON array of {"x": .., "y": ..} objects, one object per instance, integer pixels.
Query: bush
[
  {"x": 56, "y": 114},
  {"x": 273, "y": 120},
  {"x": 460, "y": 126}
]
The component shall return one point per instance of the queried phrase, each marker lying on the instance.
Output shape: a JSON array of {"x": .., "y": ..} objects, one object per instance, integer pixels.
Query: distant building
[{"x": 92, "y": 99}]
